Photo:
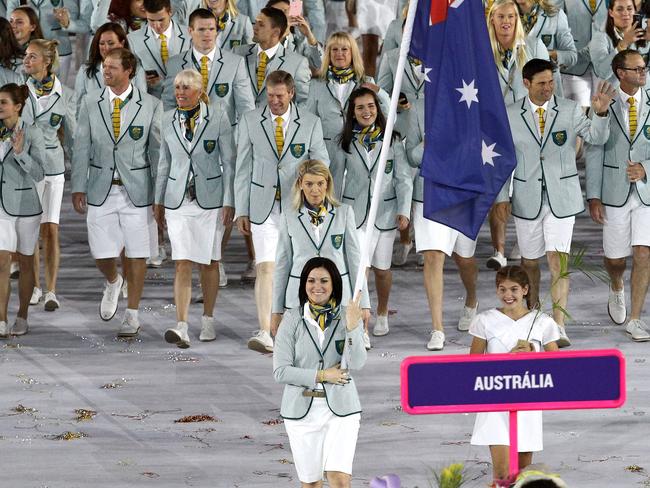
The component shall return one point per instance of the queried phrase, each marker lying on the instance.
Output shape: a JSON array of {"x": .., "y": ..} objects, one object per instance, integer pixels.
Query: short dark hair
[
  {"x": 328, "y": 264},
  {"x": 128, "y": 59},
  {"x": 621, "y": 58},
  {"x": 270, "y": 3},
  {"x": 157, "y": 5},
  {"x": 19, "y": 95},
  {"x": 540, "y": 484},
  {"x": 277, "y": 18},
  {"x": 201, "y": 13},
  {"x": 534, "y": 66},
  {"x": 280, "y": 77}
]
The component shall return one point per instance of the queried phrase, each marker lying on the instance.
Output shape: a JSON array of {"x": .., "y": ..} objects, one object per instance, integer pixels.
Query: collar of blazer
[
  {"x": 266, "y": 121},
  {"x": 52, "y": 101},
  {"x": 586, "y": 5},
  {"x": 331, "y": 330},
  {"x": 273, "y": 64},
  {"x": 539, "y": 25},
  {"x": 151, "y": 43},
  {"x": 410, "y": 75},
  {"x": 305, "y": 221},
  {"x": 362, "y": 155},
  {"x": 131, "y": 111},
  {"x": 617, "y": 110},
  {"x": 197, "y": 137},
  {"x": 215, "y": 70},
  {"x": 528, "y": 117}
]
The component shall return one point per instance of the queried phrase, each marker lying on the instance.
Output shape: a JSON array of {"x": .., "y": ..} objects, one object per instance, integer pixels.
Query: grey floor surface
[{"x": 71, "y": 360}]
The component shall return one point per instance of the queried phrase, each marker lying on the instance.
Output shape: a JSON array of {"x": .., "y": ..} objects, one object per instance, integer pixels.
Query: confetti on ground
[
  {"x": 284, "y": 461},
  {"x": 273, "y": 422},
  {"x": 634, "y": 469},
  {"x": 68, "y": 436},
  {"x": 115, "y": 384},
  {"x": 83, "y": 414},
  {"x": 22, "y": 409},
  {"x": 180, "y": 357},
  {"x": 195, "y": 418},
  {"x": 11, "y": 346},
  {"x": 150, "y": 474},
  {"x": 26, "y": 379}
]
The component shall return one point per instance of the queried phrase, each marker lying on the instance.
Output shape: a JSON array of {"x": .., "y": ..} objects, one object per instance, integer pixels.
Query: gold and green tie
[
  {"x": 279, "y": 135},
  {"x": 261, "y": 70},
  {"x": 116, "y": 117},
  {"x": 540, "y": 112},
  {"x": 205, "y": 72},
  {"x": 164, "y": 51},
  {"x": 592, "y": 5},
  {"x": 632, "y": 102}
]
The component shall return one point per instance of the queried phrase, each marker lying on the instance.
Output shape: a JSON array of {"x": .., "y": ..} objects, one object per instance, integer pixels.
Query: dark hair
[
  {"x": 94, "y": 58},
  {"x": 201, "y": 13},
  {"x": 152, "y": 6},
  {"x": 540, "y": 484},
  {"x": 618, "y": 62},
  {"x": 33, "y": 19},
  {"x": 535, "y": 66},
  {"x": 121, "y": 10},
  {"x": 270, "y": 3},
  {"x": 277, "y": 18},
  {"x": 17, "y": 93},
  {"x": 128, "y": 59},
  {"x": 610, "y": 30},
  {"x": 518, "y": 275},
  {"x": 279, "y": 77},
  {"x": 9, "y": 47},
  {"x": 328, "y": 264}
]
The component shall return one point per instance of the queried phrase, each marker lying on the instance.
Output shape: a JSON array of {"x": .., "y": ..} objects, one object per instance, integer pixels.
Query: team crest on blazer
[
  {"x": 55, "y": 119},
  {"x": 646, "y": 131},
  {"x": 546, "y": 39},
  {"x": 389, "y": 166},
  {"x": 339, "y": 346},
  {"x": 136, "y": 131},
  {"x": 55, "y": 3},
  {"x": 337, "y": 240},
  {"x": 297, "y": 150},
  {"x": 221, "y": 89},
  {"x": 559, "y": 138},
  {"x": 235, "y": 43},
  {"x": 209, "y": 145}
]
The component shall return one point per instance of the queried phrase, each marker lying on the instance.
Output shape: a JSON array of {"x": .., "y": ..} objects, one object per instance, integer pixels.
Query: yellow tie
[
  {"x": 204, "y": 72},
  {"x": 116, "y": 117},
  {"x": 592, "y": 5},
  {"x": 632, "y": 103},
  {"x": 279, "y": 135},
  {"x": 164, "y": 52},
  {"x": 540, "y": 111},
  {"x": 261, "y": 70}
]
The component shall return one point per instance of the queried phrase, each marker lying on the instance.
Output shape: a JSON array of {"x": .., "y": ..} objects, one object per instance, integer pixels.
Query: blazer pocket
[
  {"x": 141, "y": 167},
  {"x": 22, "y": 189},
  {"x": 256, "y": 184},
  {"x": 394, "y": 197},
  {"x": 213, "y": 177},
  {"x": 95, "y": 166},
  {"x": 345, "y": 197},
  {"x": 171, "y": 178},
  {"x": 518, "y": 179},
  {"x": 569, "y": 176}
]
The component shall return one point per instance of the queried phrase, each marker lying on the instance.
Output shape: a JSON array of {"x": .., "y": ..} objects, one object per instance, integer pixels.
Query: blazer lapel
[
  {"x": 98, "y": 82},
  {"x": 551, "y": 116},
  {"x": 217, "y": 65},
  {"x": 539, "y": 27},
  {"x": 204, "y": 125},
  {"x": 527, "y": 116},
  {"x": 176, "y": 124},
  {"x": 331, "y": 89},
  {"x": 180, "y": 38},
  {"x": 131, "y": 111},
  {"x": 151, "y": 43},
  {"x": 225, "y": 35},
  {"x": 617, "y": 112},
  {"x": 305, "y": 221},
  {"x": 361, "y": 154},
  {"x": 377, "y": 151},
  {"x": 50, "y": 105},
  {"x": 187, "y": 60},
  {"x": 103, "y": 104},
  {"x": 292, "y": 130},
  {"x": 267, "y": 126},
  {"x": 251, "y": 65},
  {"x": 644, "y": 112},
  {"x": 311, "y": 336}
]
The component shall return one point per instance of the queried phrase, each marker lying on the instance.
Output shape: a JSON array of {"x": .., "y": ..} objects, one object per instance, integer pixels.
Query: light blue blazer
[
  {"x": 19, "y": 174},
  {"x": 393, "y": 38},
  {"x": 511, "y": 80},
  {"x": 297, "y": 43},
  {"x": 602, "y": 51},
  {"x": 583, "y": 23},
  {"x": 259, "y": 169},
  {"x": 606, "y": 165},
  {"x": 550, "y": 161},
  {"x": 211, "y": 155},
  {"x": 415, "y": 146},
  {"x": 134, "y": 154},
  {"x": 10, "y": 76},
  {"x": 81, "y": 24},
  {"x": 297, "y": 357},
  {"x": 238, "y": 31}
]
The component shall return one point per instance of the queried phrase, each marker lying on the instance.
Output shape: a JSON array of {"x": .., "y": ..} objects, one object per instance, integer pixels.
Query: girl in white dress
[{"x": 515, "y": 327}]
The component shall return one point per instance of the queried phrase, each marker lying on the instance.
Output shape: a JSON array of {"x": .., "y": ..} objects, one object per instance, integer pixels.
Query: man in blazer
[
  {"x": 268, "y": 55},
  {"x": 618, "y": 192},
  {"x": 158, "y": 41},
  {"x": 272, "y": 141},
  {"x": 546, "y": 193},
  {"x": 224, "y": 73},
  {"x": 116, "y": 151}
]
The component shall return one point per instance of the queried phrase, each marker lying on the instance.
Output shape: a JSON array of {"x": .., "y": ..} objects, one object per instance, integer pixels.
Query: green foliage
[{"x": 451, "y": 476}]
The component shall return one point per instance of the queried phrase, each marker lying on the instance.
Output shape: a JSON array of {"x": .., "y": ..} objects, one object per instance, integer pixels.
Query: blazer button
[
  {"x": 541, "y": 158},
  {"x": 114, "y": 148}
]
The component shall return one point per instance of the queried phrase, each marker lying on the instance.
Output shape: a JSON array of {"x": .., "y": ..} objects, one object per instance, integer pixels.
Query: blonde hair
[
  {"x": 316, "y": 168},
  {"x": 548, "y": 7},
  {"x": 192, "y": 78},
  {"x": 49, "y": 51},
  {"x": 519, "y": 46},
  {"x": 357, "y": 61},
  {"x": 231, "y": 7}
]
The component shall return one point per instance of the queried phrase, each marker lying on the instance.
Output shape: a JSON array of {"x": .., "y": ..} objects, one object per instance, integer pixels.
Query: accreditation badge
[
  {"x": 221, "y": 89},
  {"x": 559, "y": 138},
  {"x": 646, "y": 131},
  {"x": 389, "y": 166},
  {"x": 546, "y": 39},
  {"x": 136, "y": 131},
  {"x": 339, "y": 346},
  {"x": 337, "y": 240},
  {"x": 297, "y": 150},
  {"x": 209, "y": 145},
  {"x": 55, "y": 119}
]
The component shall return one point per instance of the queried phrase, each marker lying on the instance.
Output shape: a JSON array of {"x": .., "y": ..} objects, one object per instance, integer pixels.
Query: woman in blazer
[
  {"x": 360, "y": 146},
  {"x": 320, "y": 403},
  {"x": 235, "y": 29},
  {"x": 194, "y": 194},
  {"x": 50, "y": 106},
  {"x": 22, "y": 154},
  {"x": 26, "y": 26}
]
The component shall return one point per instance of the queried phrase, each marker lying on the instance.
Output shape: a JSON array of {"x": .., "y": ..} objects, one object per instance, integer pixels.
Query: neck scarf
[
  {"x": 414, "y": 61},
  {"x": 45, "y": 86},
  {"x": 505, "y": 57},
  {"x": 5, "y": 132},
  {"x": 317, "y": 215},
  {"x": 189, "y": 117},
  {"x": 324, "y": 314},
  {"x": 530, "y": 19},
  {"x": 137, "y": 22},
  {"x": 368, "y": 136},
  {"x": 222, "y": 20},
  {"x": 340, "y": 75}
]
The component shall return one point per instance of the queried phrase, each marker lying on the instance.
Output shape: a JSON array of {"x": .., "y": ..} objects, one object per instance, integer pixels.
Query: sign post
[{"x": 513, "y": 382}]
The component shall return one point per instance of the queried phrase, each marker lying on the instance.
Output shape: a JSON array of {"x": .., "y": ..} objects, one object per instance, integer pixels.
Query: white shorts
[
  {"x": 580, "y": 88},
  {"x": 625, "y": 227},
  {"x": 195, "y": 233},
  {"x": 50, "y": 191},
  {"x": 434, "y": 236},
  {"x": 381, "y": 247},
  {"x": 266, "y": 235},
  {"x": 19, "y": 234},
  {"x": 118, "y": 224},
  {"x": 546, "y": 233},
  {"x": 322, "y": 442}
]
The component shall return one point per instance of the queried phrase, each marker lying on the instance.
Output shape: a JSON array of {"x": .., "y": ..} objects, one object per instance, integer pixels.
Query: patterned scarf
[
  {"x": 340, "y": 75},
  {"x": 5, "y": 132},
  {"x": 189, "y": 118},
  {"x": 324, "y": 314},
  {"x": 137, "y": 22},
  {"x": 45, "y": 86},
  {"x": 505, "y": 57},
  {"x": 530, "y": 19},
  {"x": 368, "y": 136},
  {"x": 414, "y": 61},
  {"x": 222, "y": 20},
  {"x": 317, "y": 215}
]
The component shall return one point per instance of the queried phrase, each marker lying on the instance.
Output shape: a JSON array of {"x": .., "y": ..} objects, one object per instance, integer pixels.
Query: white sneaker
[
  {"x": 261, "y": 342},
  {"x": 130, "y": 325},
  {"x": 381, "y": 326},
  {"x": 466, "y": 319},
  {"x": 37, "y": 293},
  {"x": 207, "y": 329},
  {"x": 515, "y": 254},
  {"x": 4, "y": 330},
  {"x": 401, "y": 254},
  {"x": 178, "y": 335},
  {"x": 366, "y": 340},
  {"x": 250, "y": 274},
  {"x": 564, "y": 340},
  {"x": 20, "y": 327},
  {"x": 108, "y": 307},
  {"x": 437, "y": 341},
  {"x": 14, "y": 271},
  {"x": 616, "y": 306},
  {"x": 496, "y": 261},
  {"x": 637, "y": 330},
  {"x": 223, "y": 277},
  {"x": 51, "y": 302},
  {"x": 154, "y": 261},
  {"x": 125, "y": 290},
  {"x": 162, "y": 253}
]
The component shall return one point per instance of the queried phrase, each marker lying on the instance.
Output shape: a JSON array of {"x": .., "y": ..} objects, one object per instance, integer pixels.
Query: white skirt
[
  {"x": 195, "y": 233},
  {"x": 493, "y": 429}
]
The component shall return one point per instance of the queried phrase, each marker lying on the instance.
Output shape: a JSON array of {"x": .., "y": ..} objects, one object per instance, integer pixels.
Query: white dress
[{"x": 502, "y": 334}]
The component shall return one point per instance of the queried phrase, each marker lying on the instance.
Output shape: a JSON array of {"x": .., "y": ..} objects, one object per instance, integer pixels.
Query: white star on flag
[
  {"x": 425, "y": 70},
  {"x": 488, "y": 153},
  {"x": 468, "y": 93}
]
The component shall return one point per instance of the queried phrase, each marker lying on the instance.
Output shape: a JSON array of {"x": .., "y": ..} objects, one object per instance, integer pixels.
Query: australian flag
[{"x": 468, "y": 148}]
